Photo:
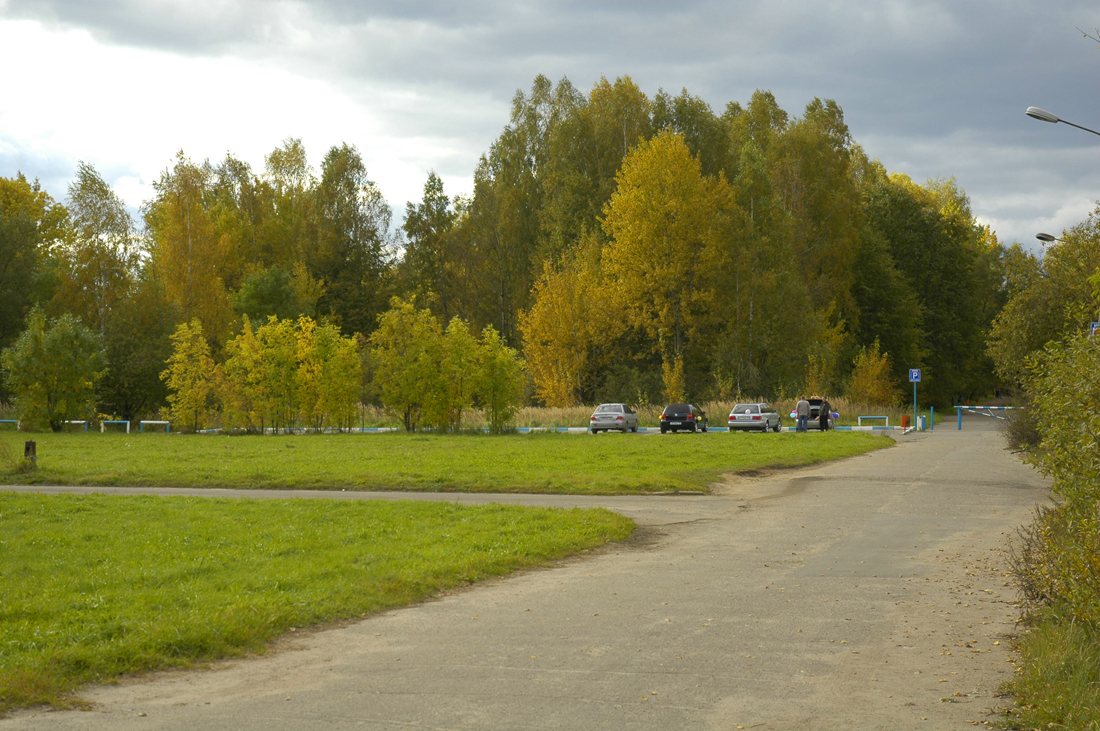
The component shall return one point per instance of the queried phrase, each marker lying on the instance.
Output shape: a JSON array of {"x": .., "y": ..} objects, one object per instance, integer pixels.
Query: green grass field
[
  {"x": 94, "y": 586},
  {"x": 578, "y": 464}
]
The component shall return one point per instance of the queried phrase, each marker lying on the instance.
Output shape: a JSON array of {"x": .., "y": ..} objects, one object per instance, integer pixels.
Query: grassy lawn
[
  {"x": 97, "y": 586},
  {"x": 579, "y": 464}
]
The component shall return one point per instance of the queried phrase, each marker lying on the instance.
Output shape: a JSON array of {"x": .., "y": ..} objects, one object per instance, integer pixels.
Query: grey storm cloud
[{"x": 933, "y": 88}]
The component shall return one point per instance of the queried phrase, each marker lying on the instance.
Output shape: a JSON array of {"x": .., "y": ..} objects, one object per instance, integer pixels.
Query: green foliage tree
[
  {"x": 52, "y": 370},
  {"x": 190, "y": 376},
  {"x": 31, "y": 223},
  {"x": 429, "y": 376},
  {"x": 270, "y": 292},
  {"x": 98, "y": 256},
  {"x": 500, "y": 381},
  {"x": 428, "y": 261},
  {"x": 352, "y": 254},
  {"x": 936, "y": 245},
  {"x": 138, "y": 341},
  {"x": 405, "y": 352},
  {"x": 459, "y": 367},
  {"x": 1050, "y": 299}
]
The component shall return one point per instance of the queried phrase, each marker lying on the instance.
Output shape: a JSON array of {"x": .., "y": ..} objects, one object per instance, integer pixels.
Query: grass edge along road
[
  {"x": 572, "y": 464},
  {"x": 157, "y": 582}
]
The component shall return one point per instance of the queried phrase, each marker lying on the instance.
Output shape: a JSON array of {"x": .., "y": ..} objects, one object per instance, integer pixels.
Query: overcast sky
[{"x": 932, "y": 89}]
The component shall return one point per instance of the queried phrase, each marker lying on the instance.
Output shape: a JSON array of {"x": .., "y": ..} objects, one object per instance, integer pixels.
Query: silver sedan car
[
  {"x": 613, "y": 417},
  {"x": 756, "y": 417}
]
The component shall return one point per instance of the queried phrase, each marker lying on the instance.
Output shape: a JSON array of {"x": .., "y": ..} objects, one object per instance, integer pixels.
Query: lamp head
[
  {"x": 1042, "y": 114},
  {"x": 1045, "y": 238}
]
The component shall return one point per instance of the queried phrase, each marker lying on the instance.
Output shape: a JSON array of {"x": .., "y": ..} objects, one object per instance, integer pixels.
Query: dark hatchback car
[{"x": 683, "y": 417}]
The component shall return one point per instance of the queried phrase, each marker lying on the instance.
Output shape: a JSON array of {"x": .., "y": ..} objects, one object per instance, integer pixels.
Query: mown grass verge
[
  {"x": 95, "y": 587},
  {"x": 606, "y": 464}
]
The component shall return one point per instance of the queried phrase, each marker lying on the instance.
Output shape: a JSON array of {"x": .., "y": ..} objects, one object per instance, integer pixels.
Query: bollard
[{"x": 29, "y": 453}]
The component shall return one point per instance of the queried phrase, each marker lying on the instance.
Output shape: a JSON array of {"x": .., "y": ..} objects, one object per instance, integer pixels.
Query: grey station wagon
[{"x": 754, "y": 417}]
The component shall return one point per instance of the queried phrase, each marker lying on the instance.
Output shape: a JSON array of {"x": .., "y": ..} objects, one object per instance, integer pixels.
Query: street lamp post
[{"x": 1045, "y": 116}]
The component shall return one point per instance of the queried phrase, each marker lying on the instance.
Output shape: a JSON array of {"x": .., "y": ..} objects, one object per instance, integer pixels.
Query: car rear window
[
  {"x": 676, "y": 408},
  {"x": 746, "y": 409},
  {"x": 609, "y": 408}
]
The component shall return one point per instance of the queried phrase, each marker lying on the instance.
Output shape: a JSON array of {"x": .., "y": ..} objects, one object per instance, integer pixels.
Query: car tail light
[
  {"x": 756, "y": 418},
  {"x": 618, "y": 418},
  {"x": 664, "y": 417},
  {"x": 691, "y": 416},
  {"x": 593, "y": 418}
]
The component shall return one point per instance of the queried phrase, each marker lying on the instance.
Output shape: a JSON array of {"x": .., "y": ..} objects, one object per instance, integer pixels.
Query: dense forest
[{"x": 631, "y": 248}]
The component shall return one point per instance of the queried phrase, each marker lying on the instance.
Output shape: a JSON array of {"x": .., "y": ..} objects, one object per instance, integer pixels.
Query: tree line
[{"x": 630, "y": 248}]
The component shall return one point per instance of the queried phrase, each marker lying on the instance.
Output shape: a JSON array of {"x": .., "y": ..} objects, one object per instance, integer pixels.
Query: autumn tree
[
  {"x": 190, "y": 376},
  {"x": 277, "y": 371},
  {"x": 872, "y": 379},
  {"x": 242, "y": 390},
  {"x": 52, "y": 371},
  {"x": 186, "y": 248},
  {"x": 574, "y": 319},
  {"x": 290, "y": 234},
  {"x": 666, "y": 244},
  {"x": 328, "y": 375}
]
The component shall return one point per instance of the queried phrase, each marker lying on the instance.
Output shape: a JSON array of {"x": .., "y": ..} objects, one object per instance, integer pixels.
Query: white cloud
[{"x": 127, "y": 111}]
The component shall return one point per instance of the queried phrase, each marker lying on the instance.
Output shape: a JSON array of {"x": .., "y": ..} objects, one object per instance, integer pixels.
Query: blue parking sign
[{"x": 914, "y": 375}]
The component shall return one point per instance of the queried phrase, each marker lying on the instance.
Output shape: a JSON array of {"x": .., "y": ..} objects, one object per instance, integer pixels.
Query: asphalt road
[{"x": 867, "y": 594}]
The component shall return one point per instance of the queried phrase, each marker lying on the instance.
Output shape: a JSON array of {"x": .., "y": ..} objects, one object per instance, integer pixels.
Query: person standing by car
[
  {"x": 802, "y": 411},
  {"x": 824, "y": 414}
]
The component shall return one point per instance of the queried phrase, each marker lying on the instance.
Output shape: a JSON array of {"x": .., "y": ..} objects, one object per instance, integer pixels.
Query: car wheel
[{"x": 633, "y": 430}]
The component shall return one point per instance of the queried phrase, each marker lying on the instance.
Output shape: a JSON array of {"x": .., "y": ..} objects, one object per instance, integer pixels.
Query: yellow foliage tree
[
  {"x": 240, "y": 388},
  {"x": 190, "y": 376},
  {"x": 871, "y": 379},
  {"x": 329, "y": 374},
  {"x": 187, "y": 250},
  {"x": 667, "y": 248},
  {"x": 571, "y": 313}
]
